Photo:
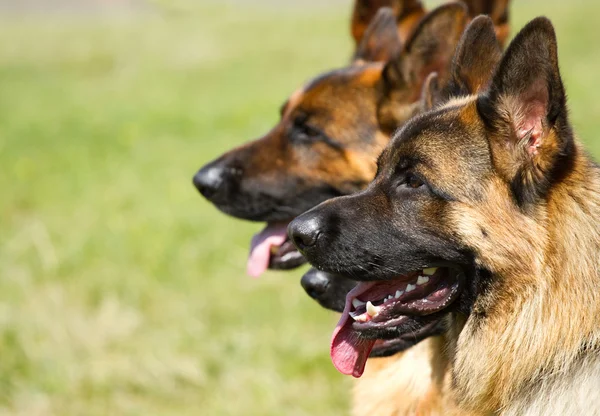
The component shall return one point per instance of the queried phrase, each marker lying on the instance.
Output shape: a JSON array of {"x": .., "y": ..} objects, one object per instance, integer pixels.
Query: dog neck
[{"x": 538, "y": 315}]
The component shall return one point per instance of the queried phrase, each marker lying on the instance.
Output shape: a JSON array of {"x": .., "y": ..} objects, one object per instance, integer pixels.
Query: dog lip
[
  {"x": 388, "y": 320},
  {"x": 395, "y": 312},
  {"x": 286, "y": 258},
  {"x": 272, "y": 249},
  {"x": 389, "y": 347}
]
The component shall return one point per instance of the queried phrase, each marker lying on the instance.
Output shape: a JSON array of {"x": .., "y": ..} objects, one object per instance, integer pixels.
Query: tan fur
[
  {"x": 408, "y": 383},
  {"x": 548, "y": 313},
  {"x": 530, "y": 343}
]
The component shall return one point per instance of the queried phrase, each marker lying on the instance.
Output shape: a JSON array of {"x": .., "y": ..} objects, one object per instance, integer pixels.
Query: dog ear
[
  {"x": 380, "y": 42},
  {"x": 365, "y": 10},
  {"x": 525, "y": 112},
  {"x": 363, "y": 13},
  {"x": 428, "y": 49},
  {"x": 497, "y": 10},
  {"x": 475, "y": 59},
  {"x": 431, "y": 92}
]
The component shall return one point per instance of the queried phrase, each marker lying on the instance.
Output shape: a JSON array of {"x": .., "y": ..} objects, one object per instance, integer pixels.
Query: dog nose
[
  {"x": 315, "y": 283},
  {"x": 304, "y": 231},
  {"x": 209, "y": 178}
]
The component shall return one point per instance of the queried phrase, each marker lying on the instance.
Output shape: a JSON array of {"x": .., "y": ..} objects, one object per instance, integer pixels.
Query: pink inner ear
[{"x": 530, "y": 124}]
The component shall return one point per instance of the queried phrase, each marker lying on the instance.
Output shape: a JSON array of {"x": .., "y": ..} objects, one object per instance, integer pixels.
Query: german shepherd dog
[{"x": 485, "y": 210}]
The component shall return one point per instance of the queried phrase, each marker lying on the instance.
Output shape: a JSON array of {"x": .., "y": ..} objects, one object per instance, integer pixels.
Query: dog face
[
  {"x": 330, "y": 133},
  {"x": 318, "y": 150},
  {"x": 405, "y": 235}
]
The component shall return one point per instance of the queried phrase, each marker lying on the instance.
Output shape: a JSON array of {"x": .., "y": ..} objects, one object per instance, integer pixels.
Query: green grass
[{"x": 121, "y": 290}]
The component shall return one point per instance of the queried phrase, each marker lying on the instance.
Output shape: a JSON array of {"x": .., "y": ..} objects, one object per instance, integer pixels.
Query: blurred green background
[{"x": 121, "y": 290}]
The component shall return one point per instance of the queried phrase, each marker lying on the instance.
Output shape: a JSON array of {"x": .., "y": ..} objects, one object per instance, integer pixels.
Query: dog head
[
  {"x": 330, "y": 133},
  {"x": 453, "y": 190}
]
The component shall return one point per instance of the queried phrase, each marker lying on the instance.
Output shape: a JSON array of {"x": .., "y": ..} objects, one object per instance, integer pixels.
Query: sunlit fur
[
  {"x": 405, "y": 384},
  {"x": 530, "y": 354},
  {"x": 531, "y": 343}
]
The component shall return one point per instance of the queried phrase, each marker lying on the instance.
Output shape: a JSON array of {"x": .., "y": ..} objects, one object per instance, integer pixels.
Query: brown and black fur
[
  {"x": 497, "y": 185},
  {"x": 409, "y": 12},
  {"x": 304, "y": 160},
  {"x": 413, "y": 382},
  {"x": 332, "y": 129}
]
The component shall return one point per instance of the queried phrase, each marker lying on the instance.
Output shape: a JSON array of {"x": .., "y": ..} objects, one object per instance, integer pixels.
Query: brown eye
[{"x": 413, "y": 181}]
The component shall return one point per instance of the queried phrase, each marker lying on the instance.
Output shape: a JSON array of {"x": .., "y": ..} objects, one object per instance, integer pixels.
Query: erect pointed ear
[
  {"x": 430, "y": 93},
  {"x": 381, "y": 40},
  {"x": 429, "y": 49},
  {"x": 525, "y": 111},
  {"x": 363, "y": 12},
  {"x": 497, "y": 10},
  {"x": 475, "y": 59}
]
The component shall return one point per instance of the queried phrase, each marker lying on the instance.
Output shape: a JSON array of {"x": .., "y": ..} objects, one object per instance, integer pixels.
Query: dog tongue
[
  {"x": 349, "y": 352},
  {"x": 260, "y": 248}
]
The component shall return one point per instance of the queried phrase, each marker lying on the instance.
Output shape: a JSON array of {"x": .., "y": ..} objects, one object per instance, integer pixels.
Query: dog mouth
[
  {"x": 272, "y": 249},
  {"x": 389, "y": 347},
  {"x": 390, "y": 309}
]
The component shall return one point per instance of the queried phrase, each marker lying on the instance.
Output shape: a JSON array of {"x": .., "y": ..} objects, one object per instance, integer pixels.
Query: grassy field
[{"x": 121, "y": 290}]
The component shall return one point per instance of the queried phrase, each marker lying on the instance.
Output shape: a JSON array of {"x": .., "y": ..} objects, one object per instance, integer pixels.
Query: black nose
[
  {"x": 209, "y": 179},
  {"x": 315, "y": 283},
  {"x": 304, "y": 231}
]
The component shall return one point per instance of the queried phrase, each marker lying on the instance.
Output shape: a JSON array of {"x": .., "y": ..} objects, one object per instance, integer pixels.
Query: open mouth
[
  {"x": 272, "y": 249},
  {"x": 389, "y": 309}
]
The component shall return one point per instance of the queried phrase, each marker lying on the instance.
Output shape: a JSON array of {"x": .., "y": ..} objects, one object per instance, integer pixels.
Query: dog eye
[
  {"x": 412, "y": 181},
  {"x": 304, "y": 133}
]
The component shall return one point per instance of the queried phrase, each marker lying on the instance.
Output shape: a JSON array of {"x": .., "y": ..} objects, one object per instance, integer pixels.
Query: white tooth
[
  {"x": 390, "y": 297},
  {"x": 371, "y": 309},
  {"x": 430, "y": 271},
  {"x": 422, "y": 280},
  {"x": 399, "y": 293},
  {"x": 360, "y": 318},
  {"x": 410, "y": 288},
  {"x": 357, "y": 303}
]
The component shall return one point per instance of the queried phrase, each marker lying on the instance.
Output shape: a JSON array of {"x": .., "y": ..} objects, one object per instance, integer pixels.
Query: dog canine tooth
[
  {"x": 422, "y": 280},
  {"x": 372, "y": 310},
  {"x": 410, "y": 288},
  {"x": 399, "y": 293},
  {"x": 430, "y": 271},
  {"x": 357, "y": 303}
]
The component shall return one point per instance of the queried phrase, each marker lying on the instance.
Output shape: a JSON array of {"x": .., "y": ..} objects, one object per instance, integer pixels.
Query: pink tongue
[
  {"x": 349, "y": 352},
  {"x": 260, "y": 247}
]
